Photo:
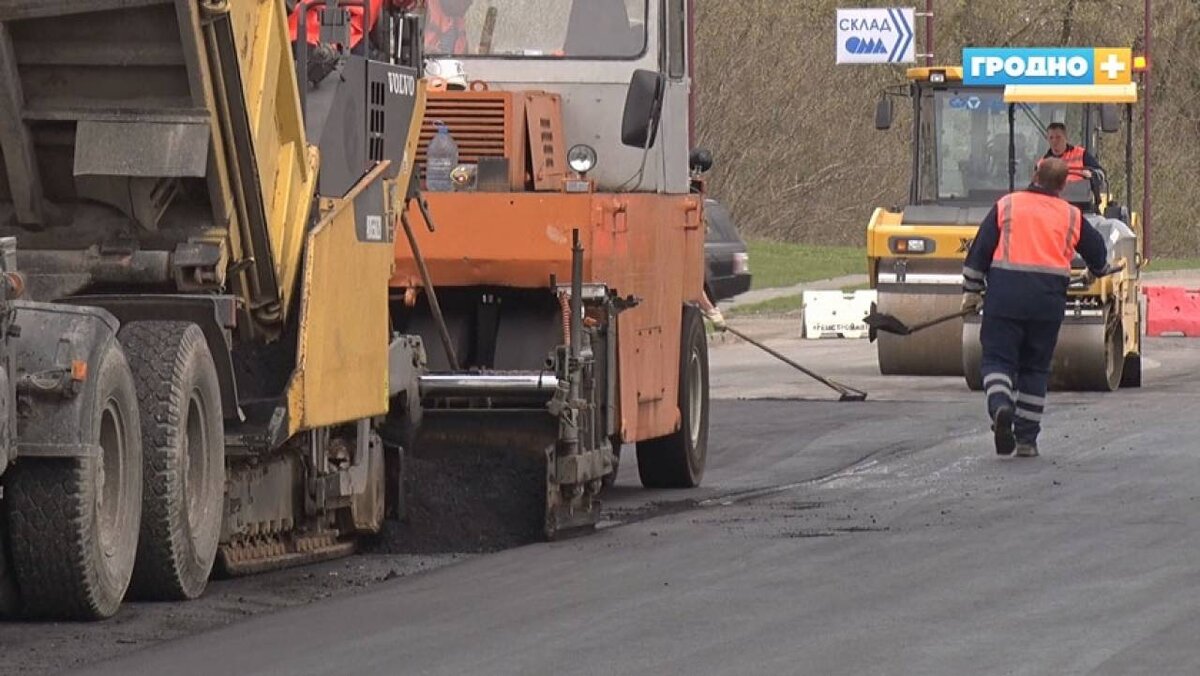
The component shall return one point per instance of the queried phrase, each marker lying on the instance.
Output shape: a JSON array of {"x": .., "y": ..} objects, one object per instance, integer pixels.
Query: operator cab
[
  {"x": 1103, "y": 111},
  {"x": 591, "y": 57}
]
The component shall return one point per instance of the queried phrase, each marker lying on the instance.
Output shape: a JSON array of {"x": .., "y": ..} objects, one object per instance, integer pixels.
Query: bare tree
[{"x": 797, "y": 156}]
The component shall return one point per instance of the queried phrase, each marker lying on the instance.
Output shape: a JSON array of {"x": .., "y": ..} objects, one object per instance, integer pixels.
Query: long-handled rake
[
  {"x": 847, "y": 393},
  {"x": 878, "y": 321}
]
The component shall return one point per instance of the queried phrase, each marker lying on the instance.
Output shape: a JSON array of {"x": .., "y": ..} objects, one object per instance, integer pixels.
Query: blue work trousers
[{"x": 1016, "y": 369}]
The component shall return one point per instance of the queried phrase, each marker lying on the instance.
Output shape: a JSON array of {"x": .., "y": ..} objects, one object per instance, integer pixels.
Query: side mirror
[
  {"x": 643, "y": 108},
  {"x": 1110, "y": 118},
  {"x": 883, "y": 114},
  {"x": 701, "y": 160}
]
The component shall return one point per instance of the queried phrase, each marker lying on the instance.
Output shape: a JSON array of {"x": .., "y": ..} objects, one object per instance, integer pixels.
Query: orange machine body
[{"x": 647, "y": 246}]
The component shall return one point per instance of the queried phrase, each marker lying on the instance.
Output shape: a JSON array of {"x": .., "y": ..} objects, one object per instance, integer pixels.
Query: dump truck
[
  {"x": 195, "y": 246},
  {"x": 971, "y": 145},
  {"x": 555, "y": 289}
]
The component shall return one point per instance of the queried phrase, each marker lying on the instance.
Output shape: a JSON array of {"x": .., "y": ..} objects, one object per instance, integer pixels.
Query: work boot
[
  {"x": 1027, "y": 449},
  {"x": 1002, "y": 431}
]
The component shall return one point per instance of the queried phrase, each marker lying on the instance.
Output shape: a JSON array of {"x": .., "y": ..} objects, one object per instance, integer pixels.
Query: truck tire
[
  {"x": 73, "y": 522},
  {"x": 183, "y": 441},
  {"x": 677, "y": 459}
]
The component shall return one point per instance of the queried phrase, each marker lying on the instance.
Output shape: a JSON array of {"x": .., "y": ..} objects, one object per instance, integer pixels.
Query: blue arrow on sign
[{"x": 905, "y": 38}]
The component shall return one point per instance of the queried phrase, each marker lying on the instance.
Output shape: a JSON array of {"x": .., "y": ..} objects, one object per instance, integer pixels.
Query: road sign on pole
[{"x": 882, "y": 35}]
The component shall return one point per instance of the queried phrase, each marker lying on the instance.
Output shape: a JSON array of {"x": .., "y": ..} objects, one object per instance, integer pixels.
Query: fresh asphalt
[{"x": 882, "y": 537}]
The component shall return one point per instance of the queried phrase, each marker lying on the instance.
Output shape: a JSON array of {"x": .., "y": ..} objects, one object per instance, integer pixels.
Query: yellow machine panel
[
  {"x": 286, "y": 171},
  {"x": 341, "y": 356},
  {"x": 342, "y": 349},
  {"x": 885, "y": 232}
]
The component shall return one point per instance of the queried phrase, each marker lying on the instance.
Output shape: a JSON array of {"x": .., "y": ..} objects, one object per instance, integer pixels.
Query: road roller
[
  {"x": 972, "y": 145},
  {"x": 915, "y": 251},
  {"x": 1100, "y": 344}
]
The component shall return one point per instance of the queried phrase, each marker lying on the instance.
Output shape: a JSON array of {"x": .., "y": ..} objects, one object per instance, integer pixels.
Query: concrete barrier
[
  {"x": 1172, "y": 310},
  {"x": 837, "y": 314}
]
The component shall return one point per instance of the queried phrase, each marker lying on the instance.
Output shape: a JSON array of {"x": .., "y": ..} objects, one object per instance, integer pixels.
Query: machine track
[{"x": 250, "y": 556}]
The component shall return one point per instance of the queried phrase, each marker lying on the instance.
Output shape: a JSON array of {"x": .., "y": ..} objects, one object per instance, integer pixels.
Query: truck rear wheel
[
  {"x": 73, "y": 522},
  {"x": 183, "y": 438},
  {"x": 677, "y": 460}
]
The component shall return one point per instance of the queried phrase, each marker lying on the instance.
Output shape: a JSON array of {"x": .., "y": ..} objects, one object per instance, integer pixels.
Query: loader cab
[{"x": 585, "y": 56}]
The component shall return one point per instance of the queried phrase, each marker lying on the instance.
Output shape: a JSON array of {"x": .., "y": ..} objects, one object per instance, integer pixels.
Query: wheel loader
[
  {"x": 971, "y": 145},
  {"x": 195, "y": 347}
]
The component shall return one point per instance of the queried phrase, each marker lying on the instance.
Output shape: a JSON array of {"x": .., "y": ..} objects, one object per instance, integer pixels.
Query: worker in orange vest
[
  {"x": 315, "y": 7},
  {"x": 1022, "y": 257},
  {"x": 1080, "y": 162},
  {"x": 446, "y": 27},
  {"x": 323, "y": 58}
]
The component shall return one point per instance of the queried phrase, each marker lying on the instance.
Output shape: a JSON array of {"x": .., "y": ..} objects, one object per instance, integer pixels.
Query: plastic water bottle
[{"x": 442, "y": 157}]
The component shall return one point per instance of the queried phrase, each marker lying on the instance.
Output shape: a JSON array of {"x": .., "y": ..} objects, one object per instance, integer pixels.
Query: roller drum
[
  {"x": 1089, "y": 356},
  {"x": 972, "y": 353},
  {"x": 936, "y": 351}
]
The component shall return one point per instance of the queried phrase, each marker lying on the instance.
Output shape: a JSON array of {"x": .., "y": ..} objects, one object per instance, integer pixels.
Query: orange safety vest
[
  {"x": 1038, "y": 233},
  {"x": 315, "y": 7},
  {"x": 444, "y": 33},
  {"x": 1073, "y": 156}
]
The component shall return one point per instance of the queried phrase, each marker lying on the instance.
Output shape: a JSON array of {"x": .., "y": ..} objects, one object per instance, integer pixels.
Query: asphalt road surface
[{"x": 882, "y": 537}]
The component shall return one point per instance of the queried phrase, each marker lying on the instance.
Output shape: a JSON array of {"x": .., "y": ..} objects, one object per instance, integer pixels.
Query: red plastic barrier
[{"x": 1172, "y": 310}]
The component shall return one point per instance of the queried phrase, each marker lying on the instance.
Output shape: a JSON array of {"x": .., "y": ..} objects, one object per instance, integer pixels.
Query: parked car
[{"x": 727, "y": 263}]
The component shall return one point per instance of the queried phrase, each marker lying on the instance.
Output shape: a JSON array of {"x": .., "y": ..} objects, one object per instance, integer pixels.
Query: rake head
[{"x": 884, "y": 322}]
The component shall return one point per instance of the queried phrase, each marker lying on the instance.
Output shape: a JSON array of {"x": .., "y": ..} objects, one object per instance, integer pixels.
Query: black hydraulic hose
[
  {"x": 434, "y": 307},
  {"x": 1012, "y": 148}
]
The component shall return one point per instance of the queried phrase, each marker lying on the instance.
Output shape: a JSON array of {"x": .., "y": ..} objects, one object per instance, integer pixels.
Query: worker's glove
[
  {"x": 718, "y": 320},
  {"x": 972, "y": 300},
  {"x": 1089, "y": 277}
]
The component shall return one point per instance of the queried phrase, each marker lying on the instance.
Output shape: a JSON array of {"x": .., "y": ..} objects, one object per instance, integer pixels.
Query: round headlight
[{"x": 582, "y": 158}]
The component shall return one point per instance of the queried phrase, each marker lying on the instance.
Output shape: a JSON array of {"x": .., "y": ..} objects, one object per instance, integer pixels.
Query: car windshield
[
  {"x": 967, "y": 157},
  {"x": 606, "y": 29}
]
